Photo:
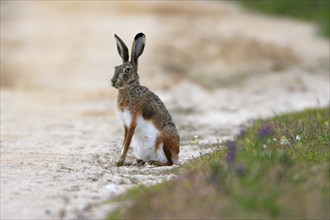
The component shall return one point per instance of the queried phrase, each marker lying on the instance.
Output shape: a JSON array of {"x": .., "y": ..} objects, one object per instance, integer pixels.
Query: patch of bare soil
[{"x": 214, "y": 65}]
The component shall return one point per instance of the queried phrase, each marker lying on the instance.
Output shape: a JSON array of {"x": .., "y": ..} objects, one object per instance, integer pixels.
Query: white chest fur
[
  {"x": 144, "y": 138},
  {"x": 125, "y": 116}
]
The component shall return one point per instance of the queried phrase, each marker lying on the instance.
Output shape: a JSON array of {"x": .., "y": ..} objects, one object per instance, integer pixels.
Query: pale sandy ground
[{"x": 215, "y": 66}]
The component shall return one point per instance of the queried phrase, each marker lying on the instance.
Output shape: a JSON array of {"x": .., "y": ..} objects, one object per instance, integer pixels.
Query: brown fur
[{"x": 140, "y": 101}]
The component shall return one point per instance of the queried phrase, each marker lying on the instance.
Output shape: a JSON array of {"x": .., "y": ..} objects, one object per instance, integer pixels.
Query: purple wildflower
[
  {"x": 232, "y": 146},
  {"x": 265, "y": 131}
]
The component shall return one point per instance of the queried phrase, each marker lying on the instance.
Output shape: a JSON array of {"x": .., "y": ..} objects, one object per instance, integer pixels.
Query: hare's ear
[
  {"x": 122, "y": 49},
  {"x": 137, "y": 48}
]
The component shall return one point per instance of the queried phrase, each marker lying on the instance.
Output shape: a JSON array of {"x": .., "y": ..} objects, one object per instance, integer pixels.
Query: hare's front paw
[{"x": 120, "y": 163}]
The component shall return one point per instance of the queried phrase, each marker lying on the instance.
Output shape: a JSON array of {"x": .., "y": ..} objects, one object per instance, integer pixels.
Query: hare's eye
[{"x": 127, "y": 70}]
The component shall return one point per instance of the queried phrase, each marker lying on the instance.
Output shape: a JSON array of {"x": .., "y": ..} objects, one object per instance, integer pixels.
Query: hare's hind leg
[
  {"x": 165, "y": 153},
  {"x": 172, "y": 149},
  {"x": 139, "y": 162},
  {"x": 159, "y": 164}
]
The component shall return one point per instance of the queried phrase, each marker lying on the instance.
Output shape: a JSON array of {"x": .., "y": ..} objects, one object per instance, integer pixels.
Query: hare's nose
[{"x": 113, "y": 81}]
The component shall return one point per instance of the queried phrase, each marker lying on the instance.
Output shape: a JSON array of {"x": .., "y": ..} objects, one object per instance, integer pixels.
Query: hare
[{"x": 147, "y": 123}]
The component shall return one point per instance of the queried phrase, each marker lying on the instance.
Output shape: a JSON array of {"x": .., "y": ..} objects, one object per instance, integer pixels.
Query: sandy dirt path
[{"x": 214, "y": 65}]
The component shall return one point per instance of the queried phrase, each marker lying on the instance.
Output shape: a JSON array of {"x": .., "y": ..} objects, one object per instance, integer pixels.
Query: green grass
[
  {"x": 310, "y": 10},
  {"x": 277, "y": 168}
]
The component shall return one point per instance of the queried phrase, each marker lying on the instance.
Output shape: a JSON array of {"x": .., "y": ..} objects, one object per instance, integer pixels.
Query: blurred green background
[{"x": 309, "y": 10}]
